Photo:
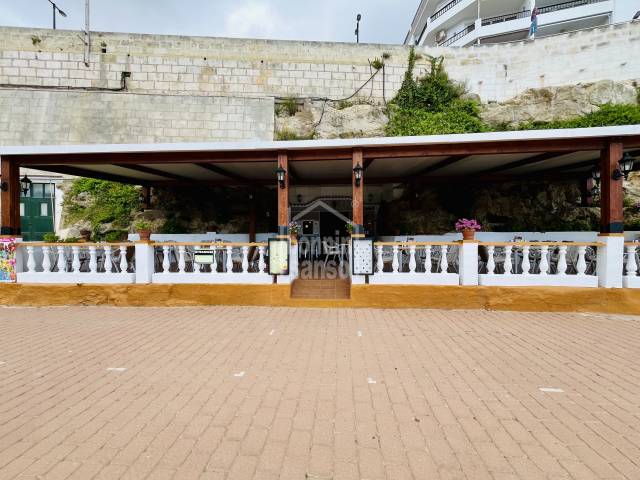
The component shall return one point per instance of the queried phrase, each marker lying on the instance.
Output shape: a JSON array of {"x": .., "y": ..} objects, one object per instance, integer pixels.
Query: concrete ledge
[{"x": 531, "y": 299}]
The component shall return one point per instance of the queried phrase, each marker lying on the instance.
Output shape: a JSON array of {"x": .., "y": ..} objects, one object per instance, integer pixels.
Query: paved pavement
[{"x": 267, "y": 393}]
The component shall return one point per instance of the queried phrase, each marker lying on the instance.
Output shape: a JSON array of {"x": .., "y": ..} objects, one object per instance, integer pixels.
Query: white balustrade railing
[
  {"x": 434, "y": 263},
  {"x": 75, "y": 263},
  {"x": 538, "y": 263},
  {"x": 631, "y": 277},
  {"x": 232, "y": 263}
]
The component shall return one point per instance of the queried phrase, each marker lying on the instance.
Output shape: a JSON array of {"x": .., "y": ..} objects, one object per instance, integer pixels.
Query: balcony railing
[
  {"x": 565, "y": 5},
  {"x": 506, "y": 18},
  {"x": 444, "y": 9},
  {"x": 457, "y": 36}
]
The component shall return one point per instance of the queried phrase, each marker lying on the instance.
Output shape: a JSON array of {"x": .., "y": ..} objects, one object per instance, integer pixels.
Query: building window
[{"x": 44, "y": 209}]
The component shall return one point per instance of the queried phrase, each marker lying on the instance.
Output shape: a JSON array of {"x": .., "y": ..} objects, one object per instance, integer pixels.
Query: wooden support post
[
  {"x": 612, "y": 194},
  {"x": 252, "y": 217},
  {"x": 358, "y": 193},
  {"x": 9, "y": 198},
  {"x": 283, "y": 195},
  {"x": 586, "y": 192},
  {"x": 146, "y": 197}
]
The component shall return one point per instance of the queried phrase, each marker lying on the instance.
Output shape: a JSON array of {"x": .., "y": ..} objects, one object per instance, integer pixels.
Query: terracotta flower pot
[
  {"x": 468, "y": 234},
  {"x": 145, "y": 235}
]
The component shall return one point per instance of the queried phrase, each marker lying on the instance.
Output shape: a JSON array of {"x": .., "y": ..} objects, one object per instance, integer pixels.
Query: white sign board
[
  {"x": 278, "y": 256},
  {"x": 362, "y": 256}
]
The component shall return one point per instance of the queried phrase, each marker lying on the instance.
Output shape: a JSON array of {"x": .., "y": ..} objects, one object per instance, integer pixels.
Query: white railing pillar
[
  {"x": 181, "y": 260},
  {"x": 444, "y": 261},
  {"x": 412, "y": 259},
  {"x": 544, "y": 260},
  {"x": 93, "y": 259},
  {"x": 562, "y": 260},
  {"x": 526, "y": 263},
  {"x": 632, "y": 264},
  {"x": 467, "y": 262},
  {"x": 427, "y": 259},
  {"x": 610, "y": 258},
  {"x": 491, "y": 261},
  {"x": 261, "y": 262},
  {"x": 145, "y": 264},
  {"x": 46, "y": 259},
  {"x": 395, "y": 265},
  {"x": 581, "y": 265},
  {"x": 123, "y": 259},
  {"x": 108, "y": 264},
  {"x": 166, "y": 262},
  {"x": 31, "y": 260},
  {"x": 229, "y": 267},
  {"x": 245, "y": 259},
  {"x": 75, "y": 263},
  {"x": 508, "y": 264},
  {"x": 62, "y": 260}
]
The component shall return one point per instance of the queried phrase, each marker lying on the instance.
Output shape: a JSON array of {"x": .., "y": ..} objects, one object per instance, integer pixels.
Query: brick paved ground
[{"x": 266, "y": 393}]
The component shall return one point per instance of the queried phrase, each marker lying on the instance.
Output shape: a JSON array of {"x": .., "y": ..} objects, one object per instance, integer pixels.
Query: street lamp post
[
  {"x": 55, "y": 7},
  {"x": 358, "y": 18}
]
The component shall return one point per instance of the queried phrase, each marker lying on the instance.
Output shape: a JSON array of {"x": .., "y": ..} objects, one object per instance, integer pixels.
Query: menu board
[
  {"x": 362, "y": 256},
  {"x": 204, "y": 257},
  {"x": 278, "y": 256},
  {"x": 7, "y": 260}
]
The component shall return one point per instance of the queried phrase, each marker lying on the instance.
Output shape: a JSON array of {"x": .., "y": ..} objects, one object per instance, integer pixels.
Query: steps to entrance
[{"x": 321, "y": 289}]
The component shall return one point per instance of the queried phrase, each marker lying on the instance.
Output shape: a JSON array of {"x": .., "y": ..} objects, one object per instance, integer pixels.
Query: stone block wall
[
  {"x": 37, "y": 117},
  {"x": 170, "y": 70}
]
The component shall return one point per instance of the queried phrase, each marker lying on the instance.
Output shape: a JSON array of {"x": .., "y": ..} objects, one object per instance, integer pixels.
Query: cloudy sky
[{"x": 384, "y": 21}]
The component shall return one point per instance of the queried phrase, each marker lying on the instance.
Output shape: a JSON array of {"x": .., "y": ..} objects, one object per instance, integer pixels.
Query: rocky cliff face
[{"x": 558, "y": 103}]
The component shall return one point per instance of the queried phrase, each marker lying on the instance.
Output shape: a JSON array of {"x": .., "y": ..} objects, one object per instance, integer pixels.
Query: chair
[{"x": 331, "y": 251}]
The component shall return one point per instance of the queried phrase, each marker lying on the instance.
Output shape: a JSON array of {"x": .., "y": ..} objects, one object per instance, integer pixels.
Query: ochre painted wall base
[{"x": 529, "y": 299}]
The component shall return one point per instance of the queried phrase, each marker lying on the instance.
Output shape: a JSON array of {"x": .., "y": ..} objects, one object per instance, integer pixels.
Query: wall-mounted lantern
[
  {"x": 626, "y": 165},
  {"x": 281, "y": 172},
  {"x": 357, "y": 174},
  {"x": 25, "y": 185}
]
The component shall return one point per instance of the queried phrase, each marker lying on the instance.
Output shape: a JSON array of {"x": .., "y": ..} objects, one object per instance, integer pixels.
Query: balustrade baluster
[
  {"x": 46, "y": 260},
  {"x": 181, "y": 260},
  {"x": 62, "y": 260},
  {"x": 562, "y": 260},
  {"x": 229, "y": 268},
  {"x": 581, "y": 266},
  {"x": 75, "y": 264},
  {"x": 508, "y": 264},
  {"x": 544, "y": 260},
  {"x": 214, "y": 264},
  {"x": 491, "y": 262},
  {"x": 93, "y": 259},
  {"x": 123, "y": 259},
  {"x": 395, "y": 265},
  {"x": 31, "y": 260},
  {"x": 166, "y": 262},
  {"x": 379, "y": 261},
  {"x": 108, "y": 264},
  {"x": 261, "y": 262},
  {"x": 427, "y": 259},
  {"x": 444, "y": 261},
  {"x": 245, "y": 259},
  {"x": 412, "y": 259},
  {"x": 526, "y": 263},
  {"x": 632, "y": 264}
]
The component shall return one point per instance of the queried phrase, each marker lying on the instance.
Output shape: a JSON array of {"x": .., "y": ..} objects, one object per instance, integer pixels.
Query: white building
[{"x": 459, "y": 23}]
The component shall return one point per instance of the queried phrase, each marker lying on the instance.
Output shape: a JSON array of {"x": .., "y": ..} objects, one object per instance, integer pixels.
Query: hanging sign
[
  {"x": 7, "y": 260},
  {"x": 204, "y": 257},
  {"x": 362, "y": 256},
  {"x": 278, "y": 256}
]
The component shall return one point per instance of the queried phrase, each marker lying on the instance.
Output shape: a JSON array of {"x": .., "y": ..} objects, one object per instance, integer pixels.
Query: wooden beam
[
  {"x": 283, "y": 196},
  {"x": 154, "y": 171},
  {"x": 441, "y": 164},
  {"x": 358, "y": 194},
  {"x": 612, "y": 194},
  {"x": 570, "y": 166},
  {"x": 367, "y": 163},
  {"x": 9, "y": 197},
  {"x": 83, "y": 172},
  {"x": 221, "y": 171},
  {"x": 524, "y": 162}
]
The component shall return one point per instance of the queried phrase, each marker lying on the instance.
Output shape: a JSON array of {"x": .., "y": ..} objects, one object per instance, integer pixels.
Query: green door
[{"x": 36, "y": 212}]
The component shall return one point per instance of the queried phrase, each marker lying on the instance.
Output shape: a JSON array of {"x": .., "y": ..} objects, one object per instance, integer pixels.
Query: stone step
[{"x": 321, "y": 289}]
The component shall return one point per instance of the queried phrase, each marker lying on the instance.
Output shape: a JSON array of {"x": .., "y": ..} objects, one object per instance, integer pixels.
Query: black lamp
[
  {"x": 281, "y": 172},
  {"x": 25, "y": 185},
  {"x": 595, "y": 174},
  {"x": 4, "y": 186},
  {"x": 626, "y": 165},
  {"x": 357, "y": 174}
]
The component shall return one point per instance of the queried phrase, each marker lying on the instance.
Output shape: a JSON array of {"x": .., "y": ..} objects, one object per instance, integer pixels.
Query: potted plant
[
  {"x": 143, "y": 228},
  {"x": 294, "y": 229},
  {"x": 468, "y": 227},
  {"x": 349, "y": 227}
]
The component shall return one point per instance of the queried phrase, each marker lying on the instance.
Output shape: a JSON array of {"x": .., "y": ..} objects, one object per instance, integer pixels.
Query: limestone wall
[
  {"x": 35, "y": 117},
  {"x": 170, "y": 70}
]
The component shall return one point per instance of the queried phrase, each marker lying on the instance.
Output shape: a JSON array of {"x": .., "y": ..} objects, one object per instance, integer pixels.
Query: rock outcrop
[{"x": 558, "y": 103}]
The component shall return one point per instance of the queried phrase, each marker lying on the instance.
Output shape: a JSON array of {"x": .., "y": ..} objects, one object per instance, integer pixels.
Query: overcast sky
[{"x": 383, "y": 21}]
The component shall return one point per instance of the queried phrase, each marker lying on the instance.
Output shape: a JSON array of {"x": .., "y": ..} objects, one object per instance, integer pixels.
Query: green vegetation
[
  {"x": 142, "y": 225},
  {"x": 607, "y": 115},
  {"x": 287, "y": 107},
  {"x": 286, "y": 134},
  {"x": 50, "y": 237},
  {"x": 377, "y": 64},
  {"x": 432, "y": 104},
  {"x": 101, "y": 203}
]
